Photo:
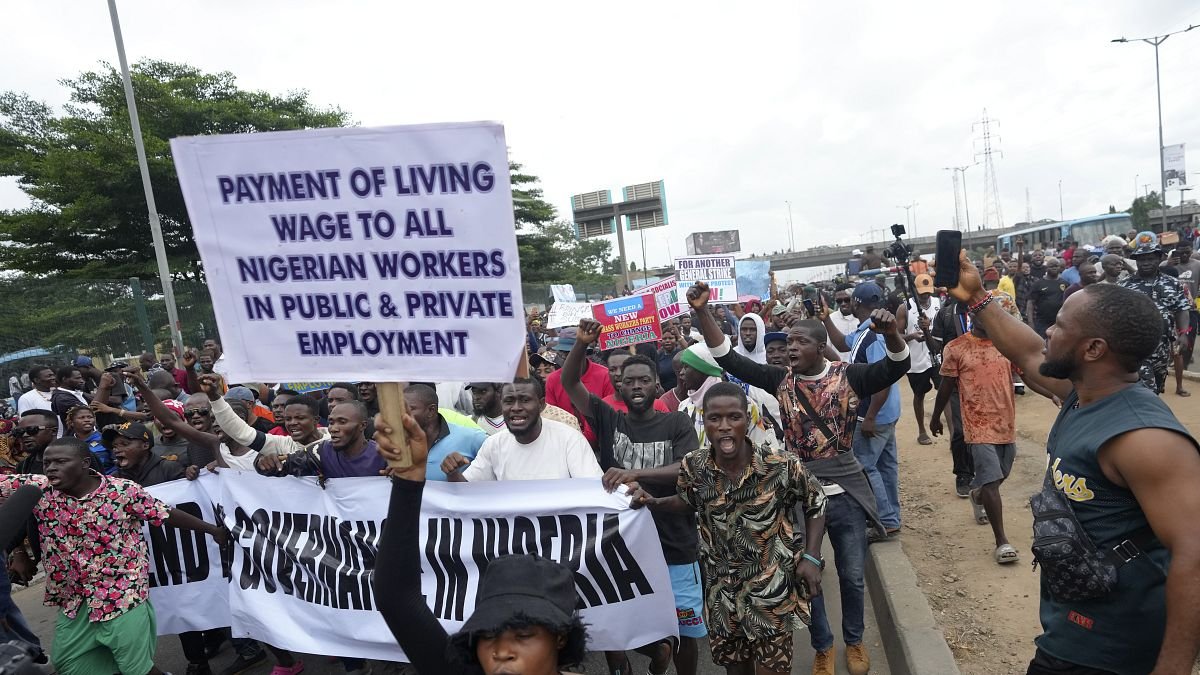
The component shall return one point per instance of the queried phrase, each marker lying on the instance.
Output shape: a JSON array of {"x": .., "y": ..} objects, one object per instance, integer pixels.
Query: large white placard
[
  {"x": 717, "y": 270},
  {"x": 382, "y": 254},
  {"x": 300, "y": 576}
]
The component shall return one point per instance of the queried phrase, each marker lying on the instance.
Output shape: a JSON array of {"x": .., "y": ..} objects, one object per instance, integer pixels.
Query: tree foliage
[
  {"x": 549, "y": 250},
  {"x": 1140, "y": 210},
  {"x": 88, "y": 218}
]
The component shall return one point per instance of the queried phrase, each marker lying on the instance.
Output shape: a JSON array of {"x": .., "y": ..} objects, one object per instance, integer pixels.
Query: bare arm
[
  {"x": 1015, "y": 340},
  {"x": 835, "y": 336},
  {"x": 945, "y": 391},
  {"x": 186, "y": 521},
  {"x": 1162, "y": 468},
  {"x": 167, "y": 418}
]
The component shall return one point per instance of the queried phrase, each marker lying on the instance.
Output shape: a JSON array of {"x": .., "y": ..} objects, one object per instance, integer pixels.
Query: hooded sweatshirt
[{"x": 758, "y": 351}]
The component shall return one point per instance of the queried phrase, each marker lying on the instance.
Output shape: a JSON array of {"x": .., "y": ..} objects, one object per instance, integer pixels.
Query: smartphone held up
[{"x": 949, "y": 244}]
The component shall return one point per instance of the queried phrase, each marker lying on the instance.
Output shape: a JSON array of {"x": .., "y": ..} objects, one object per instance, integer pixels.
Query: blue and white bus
[{"x": 1086, "y": 231}]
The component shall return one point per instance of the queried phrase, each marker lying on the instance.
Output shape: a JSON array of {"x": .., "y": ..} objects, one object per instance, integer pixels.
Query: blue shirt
[
  {"x": 454, "y": 438},
  {"x": 1070, "y": 275},
  {"x": 872, "y": 349},
  {"x": 103, "y": 455}
]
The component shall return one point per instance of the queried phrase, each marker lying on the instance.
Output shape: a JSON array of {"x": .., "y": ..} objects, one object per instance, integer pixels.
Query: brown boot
[
  {"x": 823, "y": 662},
  {"x": 857, "y": 660}
]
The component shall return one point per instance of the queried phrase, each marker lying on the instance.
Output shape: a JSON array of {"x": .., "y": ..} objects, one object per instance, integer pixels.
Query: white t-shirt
[
  {"x": 34, "y": 400},
  {"x": 919, "y": 351},
  {"x": 240, "y": 462},
  {"x": 845, "y": 324},
  {"x": 490, "y": 425},
  {"x": 558, "y": 452}
]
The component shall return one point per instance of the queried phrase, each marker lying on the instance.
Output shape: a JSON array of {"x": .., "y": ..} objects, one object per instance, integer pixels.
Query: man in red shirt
[{"x": 595, "y": 379}]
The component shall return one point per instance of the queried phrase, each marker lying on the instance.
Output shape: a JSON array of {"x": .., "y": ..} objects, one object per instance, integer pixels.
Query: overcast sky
[{"x": 845, "y": 109}]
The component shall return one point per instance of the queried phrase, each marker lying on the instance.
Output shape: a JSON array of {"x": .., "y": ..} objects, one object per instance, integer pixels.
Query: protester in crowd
[
  {"x": 777, "y": 353},
  {"x": 170, "y": 445},
  {"x": 982, "y": 378},
  {"x": 1008, "y": 273},
  {"x": 486, "y": 399},
  {"x": 206, "y": 360},
  {"x": 615, "y": 360},
  {"x": 106, "y": 622},
  {"x": 279, "y": 404},
  {"x": 668, "y": 348},
  {"x": 246, "y": 395},
  {"x": 875, "y": 434},
  {"x": 179, "y": 375},
  {"x": 207, "y": 447},
  {"x": 645, "y": 446},
  {"x": 1046, "y": 297},
  {"x": 81, "y": 424},
  {"x": 531, "y": 447},
  {"x": 843, "y": 319},
  {"x": 818, "y": 400},
  {"x": 443, "y": 438},
  {"x": 751, "y": 331},
  {"x": 870, "y": 259},
  {"x": 1171, "y": 299},
  {"x": 366, "y": 393},
  {"x": 672, "y": 398},
  {"x": 299, "y": 416},
  {"x": 922, "y": 374},
  {"x": 1189, "y": 276},
  {"x": 758, "y": 582},
  {"x": 595, "y": 379},
  {"x": 1070, "y": 272},
  {"x": 1089, "y": 274},
  {"x": 544, "y": 363},
  {"x": 524, "y": 619},
  {"x": 1114, "y": 268},
  {"x": 41, "y": 397},
  {"x": 454, "y": 395},
  {"x": 1037, "y": 264},
  {"x": 855, "y": 264},
  {"x": 1127, "y": 467},
  {"x": 161, "y": 379},
  {"x": 700, "y": 371},
  {"x": 68, "y": 394},
  {"x": 130, "y": 445}
]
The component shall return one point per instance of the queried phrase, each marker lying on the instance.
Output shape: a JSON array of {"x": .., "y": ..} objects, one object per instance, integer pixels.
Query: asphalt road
[{"x": 170, "y": 656}]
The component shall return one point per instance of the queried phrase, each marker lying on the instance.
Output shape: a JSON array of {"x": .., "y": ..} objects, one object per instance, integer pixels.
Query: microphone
[{"x": 14, "y": 513}]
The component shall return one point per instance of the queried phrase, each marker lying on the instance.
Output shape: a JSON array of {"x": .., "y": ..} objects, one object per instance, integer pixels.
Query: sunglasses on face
[
  {"x": 841, "y": 301},
  {"x": 30, "y": 431},
  {"x": 197, "y": 412}
]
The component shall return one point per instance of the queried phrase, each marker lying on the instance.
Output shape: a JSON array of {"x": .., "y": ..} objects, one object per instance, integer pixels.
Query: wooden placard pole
[
  {"x": 391, "y": 405},
  {"x": 523, "y": 364}
]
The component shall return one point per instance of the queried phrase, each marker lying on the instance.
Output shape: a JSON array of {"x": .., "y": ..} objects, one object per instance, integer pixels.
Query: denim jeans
[
  {"x": 846, "y": 529},
  {"x": 14, "y": 625},
  {"x": 878, "y": 456}
]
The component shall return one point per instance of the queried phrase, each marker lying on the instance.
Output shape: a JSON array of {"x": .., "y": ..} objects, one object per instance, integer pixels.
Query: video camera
[{"x": 898, "y": 251}]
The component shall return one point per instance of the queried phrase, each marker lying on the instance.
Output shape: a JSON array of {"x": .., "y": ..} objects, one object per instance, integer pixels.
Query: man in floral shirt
[
  {"x": 1172, "y": 302},
  {"x": 758, "y": 577},
  {"x": 96, "y": 561}
]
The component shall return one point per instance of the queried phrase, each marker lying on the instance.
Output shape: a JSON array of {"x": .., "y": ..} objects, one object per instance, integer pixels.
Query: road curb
[
  {"x": 1191, "y": 375},
  {"x": 912, "y": 639}
]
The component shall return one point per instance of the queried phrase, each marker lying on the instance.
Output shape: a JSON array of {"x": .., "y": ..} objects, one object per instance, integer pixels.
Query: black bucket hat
[{"x": 521, "y": 588}]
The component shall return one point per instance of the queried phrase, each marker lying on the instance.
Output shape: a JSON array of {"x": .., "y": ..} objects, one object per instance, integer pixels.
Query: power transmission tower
[
  {"x": 966, "y": 206},
  {"x": 957, "y": 201},
  {"x": 993, "y": 213},
  {"x": 1028, "y": 207}
]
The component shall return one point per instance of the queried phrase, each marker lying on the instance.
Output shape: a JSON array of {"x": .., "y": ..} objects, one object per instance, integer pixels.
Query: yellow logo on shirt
[{"x": 1076, "y": 489}]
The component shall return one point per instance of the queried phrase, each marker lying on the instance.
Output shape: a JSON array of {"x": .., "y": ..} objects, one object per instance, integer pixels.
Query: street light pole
[
  {"x": 1162, "y": 165},
  {"x": 160, "y": 251},
  {"x": 791, "y": 228}
]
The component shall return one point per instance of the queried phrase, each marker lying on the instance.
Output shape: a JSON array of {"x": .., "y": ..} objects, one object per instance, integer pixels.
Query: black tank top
[{"x": 1121, "y": 632}]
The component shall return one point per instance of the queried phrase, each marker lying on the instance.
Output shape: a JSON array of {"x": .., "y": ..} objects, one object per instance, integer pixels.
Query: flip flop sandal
[
  {"x": 1005, "y": 554},
  {"x": 924, "y": 440},
  {"x": 980, "y": 513}
]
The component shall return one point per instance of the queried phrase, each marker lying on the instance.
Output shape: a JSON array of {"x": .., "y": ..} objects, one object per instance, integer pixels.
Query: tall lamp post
[{"x": 1162, "y": 166}]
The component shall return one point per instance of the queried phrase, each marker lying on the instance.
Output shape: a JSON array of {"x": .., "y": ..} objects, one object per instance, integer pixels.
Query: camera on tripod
[{"x": 898, "y": 251}]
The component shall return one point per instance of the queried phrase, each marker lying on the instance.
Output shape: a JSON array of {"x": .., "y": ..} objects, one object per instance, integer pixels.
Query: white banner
[
  {"x": 300, "y": 577},
  {"x": 563, "y": 292},
  {"x": 563, "y": 314},
  {"x": 717, "y": 270},
  {"x": 1174, "y": 167},
  {"x": 384, "y": 254}
]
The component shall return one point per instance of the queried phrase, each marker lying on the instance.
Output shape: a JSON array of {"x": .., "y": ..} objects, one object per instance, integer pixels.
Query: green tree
[
  {"x": 1139, "y": 211},
  {"x": 88, "y": 218},
  {"x": 549, "y": 250}
]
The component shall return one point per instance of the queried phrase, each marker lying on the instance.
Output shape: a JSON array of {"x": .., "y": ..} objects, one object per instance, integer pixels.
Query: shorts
[
  {"x": 993, "y": 462},
  {"x": 689, "y": 599},
  {"x": 123, "y": 644},
  {"x": 922, "y": 382},
  {"x": 774, "y": 651}
]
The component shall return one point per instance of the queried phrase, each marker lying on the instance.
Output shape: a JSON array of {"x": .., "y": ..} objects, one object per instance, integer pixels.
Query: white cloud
[{"x": 845, "y": 109}]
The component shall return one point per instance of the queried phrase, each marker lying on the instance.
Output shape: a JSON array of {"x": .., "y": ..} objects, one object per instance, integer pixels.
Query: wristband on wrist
[
  {"x": 816, "y": 561},
  {"x": 976, "y": 308}
]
